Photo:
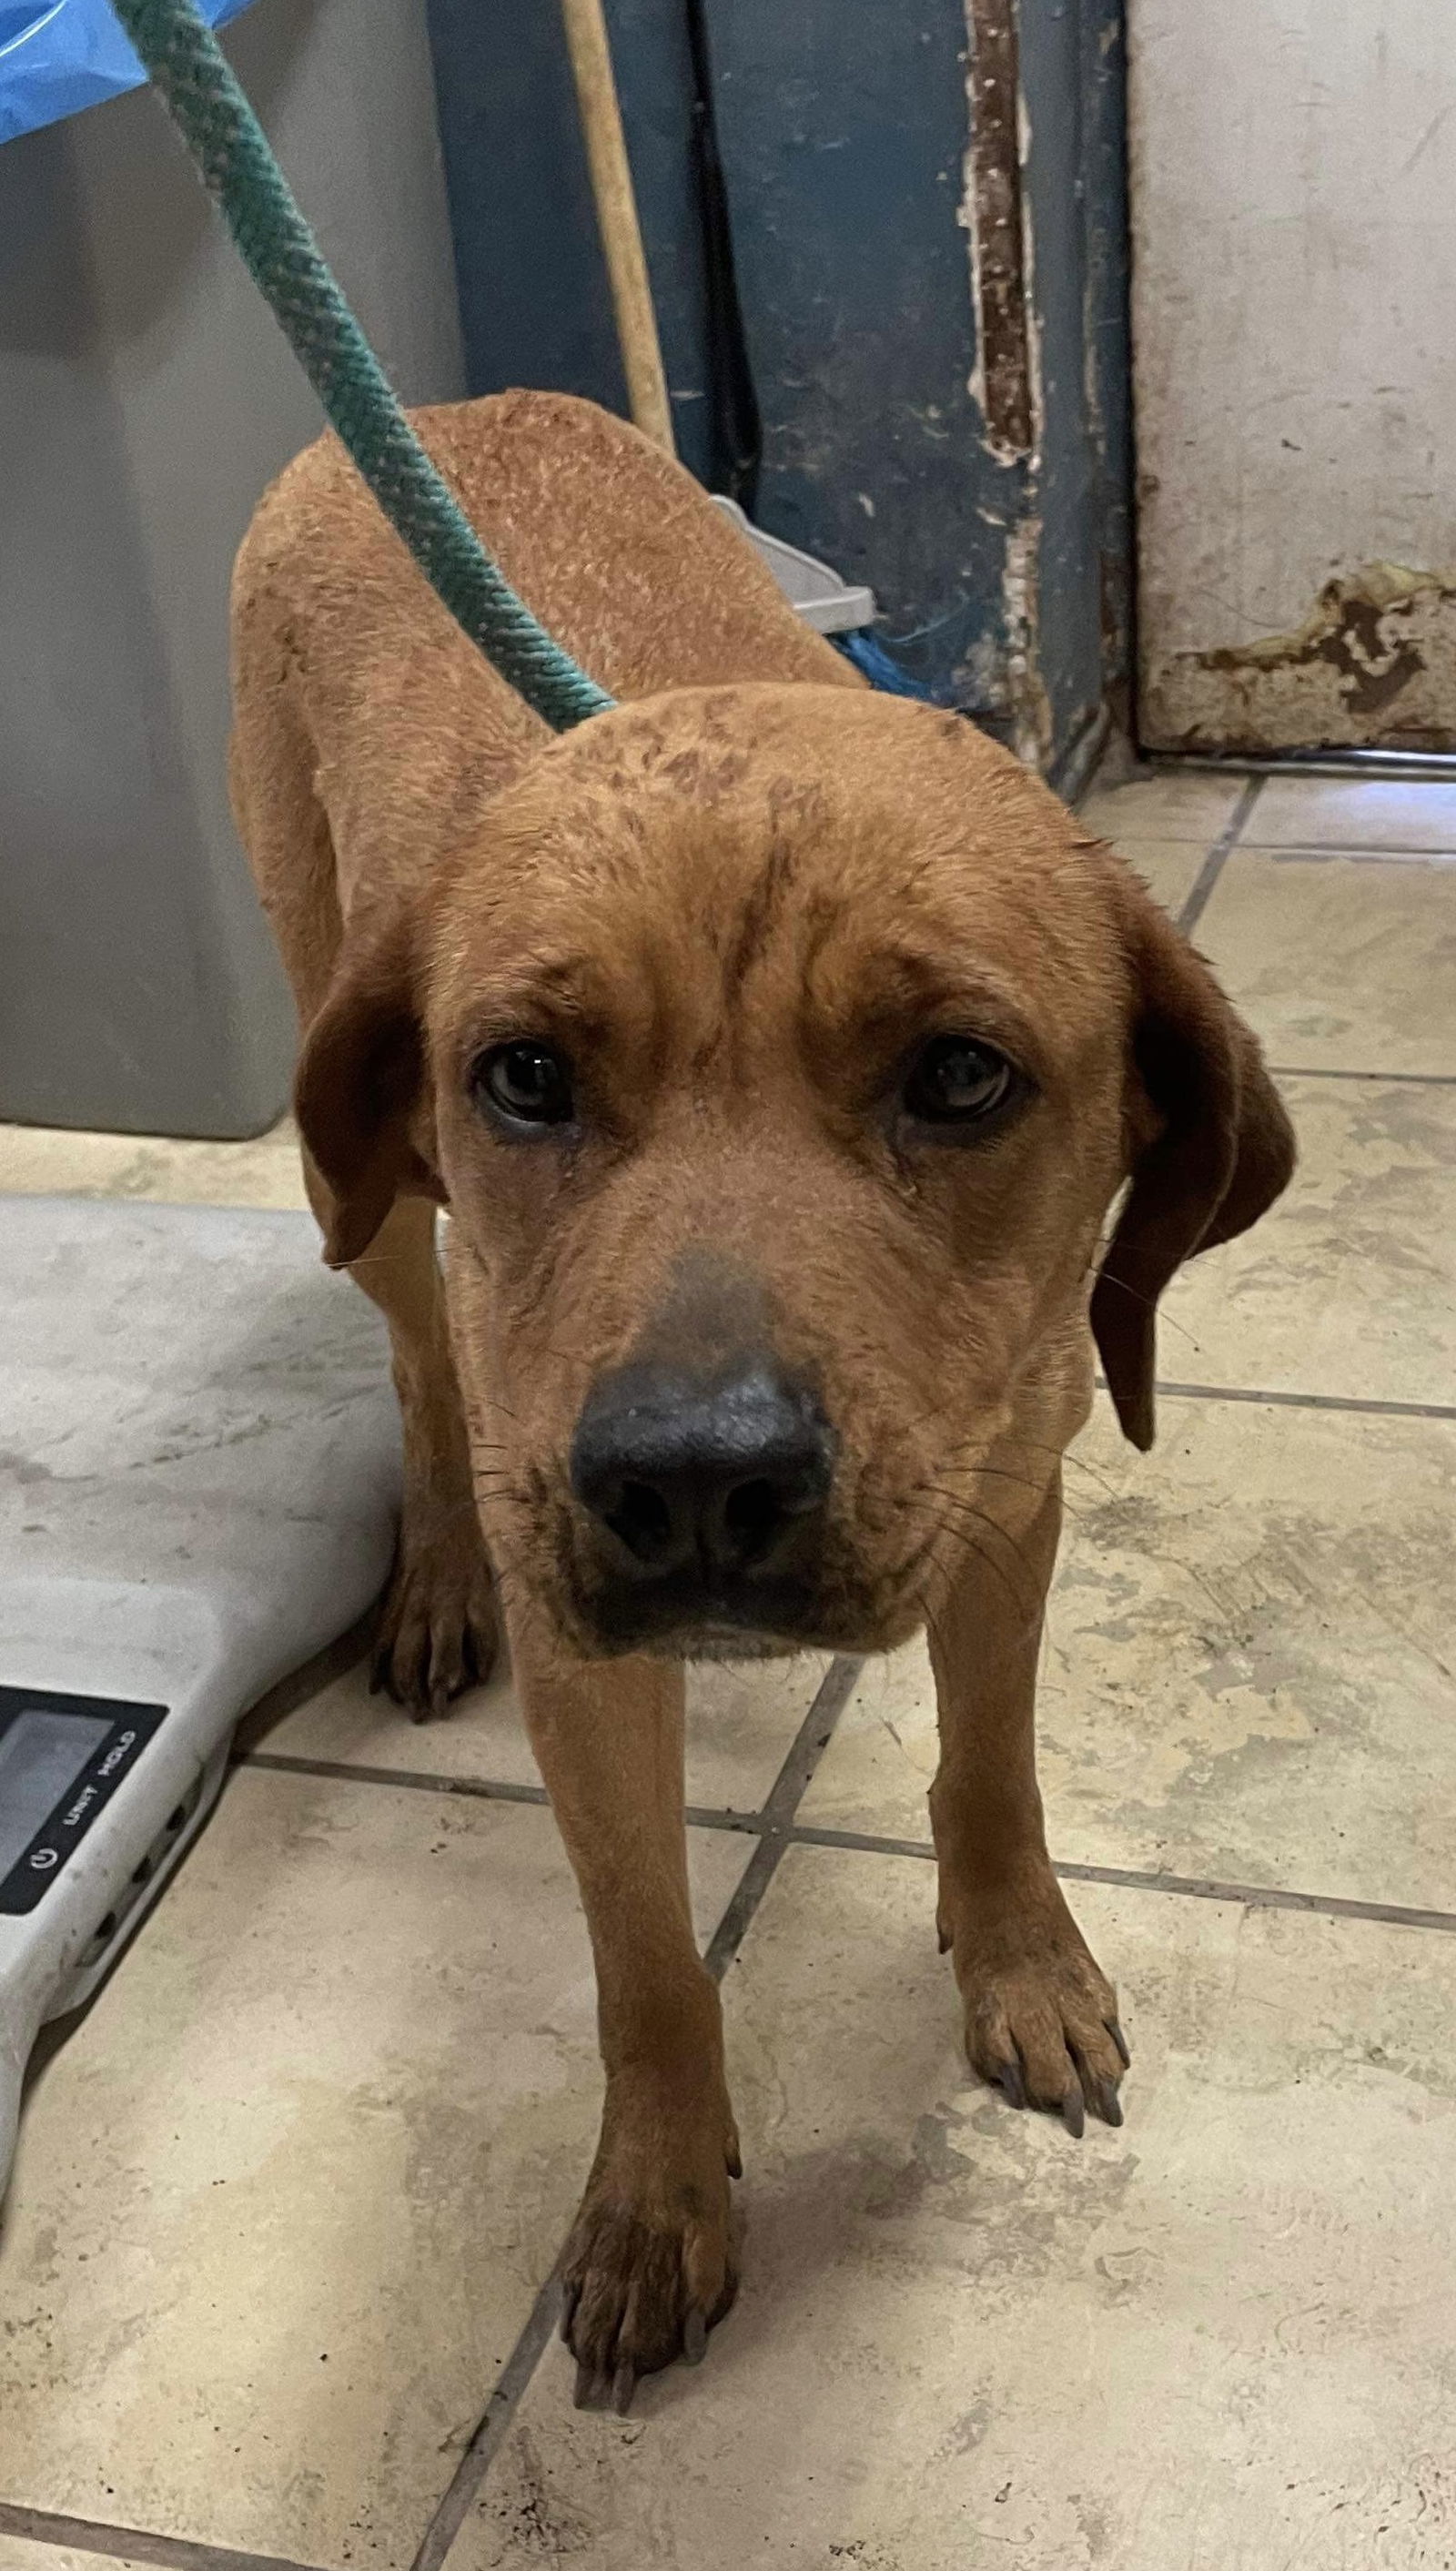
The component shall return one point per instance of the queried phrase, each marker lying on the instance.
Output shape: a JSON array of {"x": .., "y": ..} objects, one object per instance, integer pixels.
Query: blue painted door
[{"x": 927, "y": 203}]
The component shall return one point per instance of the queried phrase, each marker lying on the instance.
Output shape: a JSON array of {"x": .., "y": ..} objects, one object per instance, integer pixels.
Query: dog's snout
[{"x": 718, "y": 1480}]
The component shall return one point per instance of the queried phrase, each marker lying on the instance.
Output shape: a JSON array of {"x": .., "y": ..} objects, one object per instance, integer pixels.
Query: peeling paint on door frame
[
  {"x": 1027, "y": 700},
  {"x": 992, "y": 211},
  {"x": 1006, "y": 384}
]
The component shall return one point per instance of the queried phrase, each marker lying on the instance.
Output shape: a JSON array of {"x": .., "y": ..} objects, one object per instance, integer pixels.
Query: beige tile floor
[{"x": 271, "y": 2269}]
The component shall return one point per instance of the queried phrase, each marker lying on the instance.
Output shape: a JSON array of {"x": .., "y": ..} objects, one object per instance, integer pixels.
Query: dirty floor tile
[
  {"x": 1330, "y": 812},
  {"x": 1163, "y": 804},
  {"x": 283, "y": 2200},
  {"x": 1348, "y": 1287},
  {"x": 286, "y": 2194},
  {"x": 1337, "y": 963},
  {"x": 1169, "y": 868},
  {"x": 1247, "y": 1662},
  {"x": 1219, "y": 2336},
  {"x": 740, "y": 1725},
  {"x": 43, "y": 1160}
]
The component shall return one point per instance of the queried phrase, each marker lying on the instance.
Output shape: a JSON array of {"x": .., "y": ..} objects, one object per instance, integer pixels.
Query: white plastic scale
[{"x": 199, "y": 1483}]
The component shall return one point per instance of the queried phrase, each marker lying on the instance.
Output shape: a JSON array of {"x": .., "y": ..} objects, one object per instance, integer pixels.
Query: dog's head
[{"x": 779, "y": 1053}]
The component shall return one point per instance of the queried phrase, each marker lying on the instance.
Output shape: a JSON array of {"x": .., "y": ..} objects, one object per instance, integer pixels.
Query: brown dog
[{"x": 779, "y": 1049}]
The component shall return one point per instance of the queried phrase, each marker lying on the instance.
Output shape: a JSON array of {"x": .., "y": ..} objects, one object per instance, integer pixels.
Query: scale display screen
[
  {"x": 41, "y": 1755},
  {"x": 62, "y": 1758}
]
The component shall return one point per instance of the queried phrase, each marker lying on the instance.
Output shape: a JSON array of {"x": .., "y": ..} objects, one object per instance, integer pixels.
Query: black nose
[{"x": 718, "y": 1481}]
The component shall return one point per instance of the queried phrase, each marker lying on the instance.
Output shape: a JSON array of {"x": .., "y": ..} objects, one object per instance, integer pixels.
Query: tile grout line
[
  {"x": 1406, "y": 1079},
  {"x": 776, "y": 1819},
  {"x": 481, "y": 1790},
  {"x": 1183, "y": 1887},
  {"x": 133, "y": 2544},
  {"x": 1367, "y": 1408},
  {"x": 776, "y": 1835},
  {"x": 1196, "y": 901},
  {"x": 1364, "y": 854},
  {"x": 773, "y": 1827},
  {"x": 1261, "y": 1897},
  {"x": 417, "y": 1781}
]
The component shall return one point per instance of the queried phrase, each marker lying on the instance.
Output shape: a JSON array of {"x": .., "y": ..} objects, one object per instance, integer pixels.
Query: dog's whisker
[
  {"x": 1041, "y": 1486},
  {"x": 961, "y": 1530},
  {"x": 1152, "y": 1303},
  {"x": 958, "y": 1501},
  {"x": 1060, "y": 1455},
  {"x": 974, "y": 1473}
]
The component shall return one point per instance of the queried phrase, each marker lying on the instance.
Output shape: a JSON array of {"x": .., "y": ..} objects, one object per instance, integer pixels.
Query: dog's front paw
[
  {"x": 648, "y": 2267},
  {"x": 438, "y": 1631},
  {"x": 1040, "y": 2019}
]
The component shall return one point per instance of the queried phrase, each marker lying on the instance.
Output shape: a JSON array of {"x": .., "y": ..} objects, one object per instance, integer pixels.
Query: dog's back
[{"x": 367, "y": 729}]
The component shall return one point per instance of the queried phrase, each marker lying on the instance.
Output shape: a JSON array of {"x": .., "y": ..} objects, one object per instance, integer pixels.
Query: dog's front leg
[
  {"x": 648, "y": 2267},
  {"x": 1040, "y": 2018}
]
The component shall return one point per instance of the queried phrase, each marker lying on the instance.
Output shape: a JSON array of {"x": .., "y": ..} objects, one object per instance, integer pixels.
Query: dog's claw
[
  {"x": 1012, "y": 2084},
  {"x": 623, "y": 2384},
  {"x": 695, "y": 2338},
  {"x": 1099, "y": 2094},
  {"x": 436, "y": 1628},
  {"x": 586, "y": 2392},
  {"x": 1120, "y": 2040},
  {"x": 1073, "y": 2113}
]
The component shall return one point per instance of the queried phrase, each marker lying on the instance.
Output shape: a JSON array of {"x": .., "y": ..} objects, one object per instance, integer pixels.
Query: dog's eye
[
  {"x": 526, "y": 1082},
  {"x": 957, "y": 1080}
]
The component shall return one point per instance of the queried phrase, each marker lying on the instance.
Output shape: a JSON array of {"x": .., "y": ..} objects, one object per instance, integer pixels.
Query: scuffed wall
[
  {"x": 1374, "y": 663},
  {"x": 1294, "y": 174}
]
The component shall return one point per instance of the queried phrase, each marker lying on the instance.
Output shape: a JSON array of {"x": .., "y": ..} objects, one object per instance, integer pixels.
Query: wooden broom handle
[{"x": 616, "y": 202}]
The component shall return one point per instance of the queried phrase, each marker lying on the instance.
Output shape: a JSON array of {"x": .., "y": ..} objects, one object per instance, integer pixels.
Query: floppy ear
[
  {"x": 1211, "y": 1148},
  {"x": 360, "y": 1090}
]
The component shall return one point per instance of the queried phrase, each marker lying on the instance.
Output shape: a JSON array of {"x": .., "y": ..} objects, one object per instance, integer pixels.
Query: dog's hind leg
[
  {"x": 437, "y": 1631},
  {"x": 1040, "y": 2017}
]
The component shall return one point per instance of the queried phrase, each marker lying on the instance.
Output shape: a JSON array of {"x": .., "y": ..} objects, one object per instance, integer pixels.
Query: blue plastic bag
[{"x": 67, "y": 55}]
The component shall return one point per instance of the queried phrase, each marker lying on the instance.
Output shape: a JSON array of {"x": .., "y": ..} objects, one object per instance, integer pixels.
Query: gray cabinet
[{"x": 146, "y": 398}]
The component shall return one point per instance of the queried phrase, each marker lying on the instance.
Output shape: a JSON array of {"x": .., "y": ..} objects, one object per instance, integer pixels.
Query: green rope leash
[{"x": 187, "y": 66}]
